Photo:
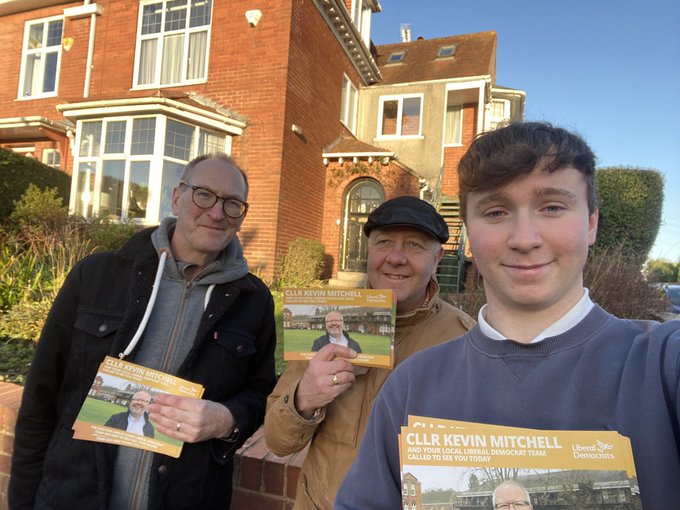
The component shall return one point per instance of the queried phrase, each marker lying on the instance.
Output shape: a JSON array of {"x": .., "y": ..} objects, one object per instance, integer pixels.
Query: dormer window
[
  {"x": 446, "y": 51},
  {"x": 396, "y": 57}
]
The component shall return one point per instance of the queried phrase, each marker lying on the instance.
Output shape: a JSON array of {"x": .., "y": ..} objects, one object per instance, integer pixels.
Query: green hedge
[
  {"x": 631, "y": 201},
  {"x": 17, "y": 172}
]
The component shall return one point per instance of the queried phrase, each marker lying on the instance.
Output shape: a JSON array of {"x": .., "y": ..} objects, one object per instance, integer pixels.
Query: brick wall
[
  {"x": 10, "y": 398},
  {"x": 452, "y": 155},
  {"x": 394, "y": 180},
  {"x": 262, "y": 481}
]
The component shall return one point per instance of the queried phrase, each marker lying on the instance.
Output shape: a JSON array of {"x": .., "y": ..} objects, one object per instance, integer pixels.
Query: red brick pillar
[{"x": 10, "y": 399}]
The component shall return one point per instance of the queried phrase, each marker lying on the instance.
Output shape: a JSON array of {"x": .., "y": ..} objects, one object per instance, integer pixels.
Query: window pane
[
  {"x": 178, "y": 140},
  {"x": 151, "y": 18},
  {"x": 198, "y": 51},
  {"x": 200, "y": 13},
  {"x": 389, "y": 119},
  {"x": 147, "y": 62},
  {"x": 35, "y": 36},
  {"x": 173, "y": 48},
  {"x": 410, "y": 118},
  {"x": 54, "y": 32},
  {"x": 171, "y": 174},
  {"x": 85, "y": 189},
  {"x": 452, "y": 133},
  {"x": 115, "y": 137},
  {"x": 50, "y": 76},
  {"x": 32, "y": 75},
  {"x": 90, "y": 139},
  {"x": 352, "y": 106},
  {"x": 209, "y": 143},
  {"x": 176, "y": 15},
  {"x": 111, "y": 196},
  {"x": 343, "y": 100},
  {"x": 143, "y": 132},
  {"x": 139, "y": 189}
]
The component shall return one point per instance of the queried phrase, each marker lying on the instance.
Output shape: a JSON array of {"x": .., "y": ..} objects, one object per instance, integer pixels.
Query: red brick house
[{"x": 122, "y": 93}]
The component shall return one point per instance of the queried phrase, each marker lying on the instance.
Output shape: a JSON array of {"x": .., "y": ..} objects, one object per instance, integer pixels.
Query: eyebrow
[{"x": 500, "y": 196}]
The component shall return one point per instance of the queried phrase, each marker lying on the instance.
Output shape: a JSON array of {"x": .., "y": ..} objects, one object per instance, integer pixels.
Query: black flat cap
[{"x": 408, "y": 212}]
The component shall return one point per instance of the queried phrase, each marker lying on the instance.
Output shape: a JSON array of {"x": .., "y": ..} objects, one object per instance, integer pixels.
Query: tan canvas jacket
[{"x": 336, "y": 433}]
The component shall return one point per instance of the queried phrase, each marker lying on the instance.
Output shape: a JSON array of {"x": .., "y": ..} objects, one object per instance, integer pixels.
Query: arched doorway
[{"x": 361, "y": 199}]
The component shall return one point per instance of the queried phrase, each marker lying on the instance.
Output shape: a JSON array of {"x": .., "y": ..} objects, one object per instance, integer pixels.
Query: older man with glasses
[
  {"x": 511, "y": 495},
  {"x": 209, "y": 321}
]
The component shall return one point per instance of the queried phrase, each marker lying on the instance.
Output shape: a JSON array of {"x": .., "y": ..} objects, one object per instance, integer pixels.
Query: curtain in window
[
  {"x": 171, "y": 67},
  {"x": 32, "y": 75},
  {"x": 198, "y": 51},
  {"x": 452, "y": 131},
  {"x": 147, "y": 61}
]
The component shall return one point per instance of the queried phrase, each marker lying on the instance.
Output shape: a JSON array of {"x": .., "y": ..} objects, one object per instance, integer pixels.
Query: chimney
[{"x": 405, "y": 30}]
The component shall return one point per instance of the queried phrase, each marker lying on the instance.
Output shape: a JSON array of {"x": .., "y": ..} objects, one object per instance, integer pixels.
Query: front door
[{"x": 361, "y": 199}]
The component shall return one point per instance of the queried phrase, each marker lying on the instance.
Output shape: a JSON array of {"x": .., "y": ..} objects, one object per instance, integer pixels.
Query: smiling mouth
[{"x": 395, "y": 276}]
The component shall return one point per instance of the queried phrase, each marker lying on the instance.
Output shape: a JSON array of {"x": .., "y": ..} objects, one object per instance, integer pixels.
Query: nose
[
  {"x": 525, "y": 234},
  {"x": 396, "y": 255},
  {"x": 217, "y": 210}
]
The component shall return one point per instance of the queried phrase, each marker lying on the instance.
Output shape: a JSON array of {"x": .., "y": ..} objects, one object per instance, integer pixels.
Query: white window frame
[
  {"x": 494, "y": 119},
  {"x": 160, "y": 38},
  {"x": 43, "y": 51},
  {"x": 156, "y": 160},
  {"x": 400, "y": 108},
  {"x": 51, "y": 157},
  {"x": 361, "y": 17},
  {"x": 350, "y": 101}
]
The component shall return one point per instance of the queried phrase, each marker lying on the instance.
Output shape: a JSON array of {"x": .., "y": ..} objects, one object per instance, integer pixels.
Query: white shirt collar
[{"x": 564, "y": 323}]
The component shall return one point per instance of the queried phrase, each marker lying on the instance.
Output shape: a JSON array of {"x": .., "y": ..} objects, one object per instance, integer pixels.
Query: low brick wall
[{"x": 262, "y": 481}]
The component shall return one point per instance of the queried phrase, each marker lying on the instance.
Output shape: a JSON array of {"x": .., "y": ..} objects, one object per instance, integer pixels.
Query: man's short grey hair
[
  {"x": 221, "y": 156},
  {"x": 510, "y": 483}
]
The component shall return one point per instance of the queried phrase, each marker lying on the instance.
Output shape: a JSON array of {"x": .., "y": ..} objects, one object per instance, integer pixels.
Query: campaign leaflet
[
  {"x": 115, "y": 409},
  {"x": 464, "y": 462},
  {"x": 362, "y": 319}
]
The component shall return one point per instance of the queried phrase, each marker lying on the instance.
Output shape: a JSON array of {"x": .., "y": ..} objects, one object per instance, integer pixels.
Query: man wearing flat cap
[{"x": 327, "y": 400}]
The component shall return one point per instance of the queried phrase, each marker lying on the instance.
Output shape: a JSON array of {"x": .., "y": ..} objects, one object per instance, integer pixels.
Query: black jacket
[
  {"x": 324, "y": 340},
  {"x": 96, "y": 314},
  {"x": 120, "y": 421}
]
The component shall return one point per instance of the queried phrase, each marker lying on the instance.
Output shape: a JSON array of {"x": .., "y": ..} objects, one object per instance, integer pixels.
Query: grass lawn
[
  {"x": 99, "y": 411},
  {"x": 301, "y": 340}
]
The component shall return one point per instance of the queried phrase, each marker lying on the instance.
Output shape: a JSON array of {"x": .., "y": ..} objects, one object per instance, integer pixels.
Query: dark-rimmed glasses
[
  {"x": 515, "y": 504},
  {"x": 205, "y": 199}
]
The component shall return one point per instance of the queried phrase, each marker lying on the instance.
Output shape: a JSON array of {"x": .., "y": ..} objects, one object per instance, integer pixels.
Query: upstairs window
[
  {"x": 400, "y": 116},
  {"x": 348, "y": 108},
  {"x": 41, "y": 57},
  {"x": 172, "y": 42},
  {"x": 396, "y": 57},
  {"x": 499, "y": 113},
  {"x": 448, "y": 50}
]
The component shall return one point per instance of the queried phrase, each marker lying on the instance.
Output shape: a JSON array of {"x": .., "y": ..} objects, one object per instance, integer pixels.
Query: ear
[
  {"x": 176, "y": 193},
  {"x": 592, "y": 226},
  {"x": 437, "y": 258}
]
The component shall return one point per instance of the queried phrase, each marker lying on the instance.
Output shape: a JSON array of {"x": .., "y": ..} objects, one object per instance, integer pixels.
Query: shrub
[
  {"x": 25, "y": 320},
  {"x": 631, "y": 201},
  {"x": 40, "y": 209},
  {"x": 303, "y": 264},
  {"x": 17, "y": 172},
  {"x": 22, "y": 274},
  {"x": 105, "y": 234},
  {"x": 617, "y": 284},
  {"x": 15, "y": 358},
  {"x": 662, "y": 271}
]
